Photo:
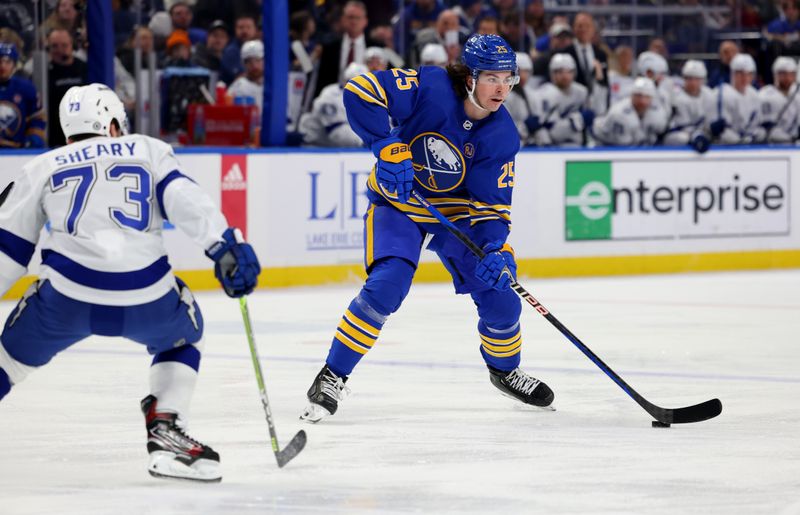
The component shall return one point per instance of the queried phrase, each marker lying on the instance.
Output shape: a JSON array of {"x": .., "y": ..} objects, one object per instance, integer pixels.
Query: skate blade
[
  {"x": 525, "y": 406},
  {"x": 314, "y": 413},
  {"x": 164, "y": 465}
]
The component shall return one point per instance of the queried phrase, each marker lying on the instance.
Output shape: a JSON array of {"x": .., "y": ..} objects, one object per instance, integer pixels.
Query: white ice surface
[{"x": 424, "y": 431}]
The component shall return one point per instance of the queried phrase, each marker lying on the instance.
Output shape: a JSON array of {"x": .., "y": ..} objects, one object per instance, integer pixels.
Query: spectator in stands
[
  {"x": 418, "y": 15},
  {"x": 181, "y": 16},
  {"x": 780, "y": 107},
  {"x": 591, "y": 60},
  {"x": 251, "y": 84},
  {"x": 179, "y": 50},
  {"x": 504, "y": 7},
  {"x": 209, "y": 54},
  {"x": 659, "y": 46},
  {"x": 347, "y": 48},
  {"x": 22, "y": 121},
  {"x": 375, "y": 59},
  {"x": 8, "y": 35},
  {"x": 535, "y": 19},
  {"x": 207, "y": 11},
  {"x": 620, "y": 75},
  {"x": 124, "y": 20},
  {"x": 65, "y": 16},
  {"x": 514, "y": 32},
  {"x": 470, "y": 12},
  {"x": 631, "y": 121},
  {"x": 326, "y": 125},
  {"x": 447, "y": 32},
  {"x": 559, "y": 39},
  {"x": 65, "y": 71},
  {"x": 382, "y": 35},
  {"x": 143, "y": 37},
  {"x": 722, "y": 73},
  {"x": 735, "y": 117},
  {"x": 543, "y": 43},
  {"x": 488, "y": 25},
  {"x": 245, "y": 29},
  {"x": 434, "y": 54},
  {"x": 17, "y": 16},
  {"x": 303, "y": 28},
  {"x": 786, "y": 28}
]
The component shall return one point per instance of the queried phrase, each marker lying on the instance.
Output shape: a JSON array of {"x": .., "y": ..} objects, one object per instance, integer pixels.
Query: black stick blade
[
  {"x": 697, "y": 413},
  {"x": 292, "y": 449}
]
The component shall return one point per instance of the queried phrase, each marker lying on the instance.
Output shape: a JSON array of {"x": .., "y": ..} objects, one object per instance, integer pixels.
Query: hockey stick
[
  {"x": 696, "y": 413},
  {"x": 299, "y": 441}
]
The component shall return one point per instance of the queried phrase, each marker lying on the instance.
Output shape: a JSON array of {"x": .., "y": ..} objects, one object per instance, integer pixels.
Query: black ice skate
[
  {"x": 520, "y": 386},
  {"x": 324, "y": 395},
  {"x": 173, "y": 453}
]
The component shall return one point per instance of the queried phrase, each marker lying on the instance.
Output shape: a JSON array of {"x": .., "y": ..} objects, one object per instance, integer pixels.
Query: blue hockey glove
[
  {"x": 532, "y": 123},
  {"x": 235, "y": 263},
  {"x": 717, "y": 127},
  {"x": 491, "y": 270},
  {"x": 700, "y": 143},
  {"x": 394, "y": 170}
]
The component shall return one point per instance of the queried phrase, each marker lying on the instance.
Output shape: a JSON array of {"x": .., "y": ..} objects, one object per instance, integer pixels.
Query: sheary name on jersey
[{"x": 106, "y": 200}]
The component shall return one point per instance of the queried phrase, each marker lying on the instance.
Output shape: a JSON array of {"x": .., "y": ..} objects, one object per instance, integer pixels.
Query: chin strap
[{"x": 471, "y": 94}]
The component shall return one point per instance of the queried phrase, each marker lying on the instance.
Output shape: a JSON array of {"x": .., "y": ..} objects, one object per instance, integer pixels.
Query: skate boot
[
  {"x": 173, "y": 453},
  {"x": 324, "y": 395},
  {"x": 520, "y": 386}
]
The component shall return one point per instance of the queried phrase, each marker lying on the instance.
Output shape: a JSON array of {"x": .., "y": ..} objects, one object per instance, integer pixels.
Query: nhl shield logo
[{"x": 438, "y": 164}]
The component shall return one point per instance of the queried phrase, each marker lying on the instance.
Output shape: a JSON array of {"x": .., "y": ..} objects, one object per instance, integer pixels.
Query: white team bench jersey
[
  {"x": 775, "y": 104},
  {"x": 741, "y": 112},
  {"x": 688, "y": 115},
  {"x": 106, "y": 200}
]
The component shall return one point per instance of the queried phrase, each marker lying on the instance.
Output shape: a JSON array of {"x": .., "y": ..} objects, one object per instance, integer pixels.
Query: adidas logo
[{"x": 233, "y": 180}]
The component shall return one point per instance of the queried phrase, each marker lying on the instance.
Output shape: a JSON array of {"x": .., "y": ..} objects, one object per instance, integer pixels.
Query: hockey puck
[{"x": 656, "y": 423}]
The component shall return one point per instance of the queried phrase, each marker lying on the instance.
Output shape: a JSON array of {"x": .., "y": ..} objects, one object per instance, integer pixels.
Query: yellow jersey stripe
[
  {"x": 354, "y": 333},
  {"x": 344, "y": 340},
  {"x": 366, "y": 86},
  {"x": 370, "y": 236},
  {"x": 364, "y": 96},
  {"x": 377, "y": 85},
  {"x": 364, "y": 326}
]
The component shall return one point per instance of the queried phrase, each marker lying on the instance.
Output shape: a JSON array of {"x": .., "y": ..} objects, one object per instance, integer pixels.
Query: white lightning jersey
[
  {"x": 519, "y": 105},
  {"x": 688, "y": 115},
  {"x": 559, "y": 113},
  {"x": 244, "y": 87},
  {"x": 773, "y": 102},
  {"x": 106, "y": 200},
  {"x": 741, "y": 112},
  {"x": 622, "y": 126},
  {"x": 326, "y": 125}
]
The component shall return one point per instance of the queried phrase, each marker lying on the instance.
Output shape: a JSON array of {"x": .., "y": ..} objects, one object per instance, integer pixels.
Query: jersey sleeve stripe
[
  {"x": 162, "y": 186},
  {"x": 367, "y": 86},
  {"x": 115, "y": 281},
  {"x": 18, "y": 249},
  {"x": 353, "y": 88},
  {"x": 377, "y": 85}
]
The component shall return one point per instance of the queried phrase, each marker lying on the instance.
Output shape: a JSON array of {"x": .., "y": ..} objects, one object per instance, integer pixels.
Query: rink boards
[{"x": 575, "y": 212}]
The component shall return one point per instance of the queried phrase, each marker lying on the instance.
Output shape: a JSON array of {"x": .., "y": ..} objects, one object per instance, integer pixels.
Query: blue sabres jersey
[
  {"x": 22, "y": 119},
  {"x": 463, "y": 167}
]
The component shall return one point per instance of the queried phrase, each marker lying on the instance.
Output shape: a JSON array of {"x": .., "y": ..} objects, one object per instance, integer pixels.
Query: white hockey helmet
[
  {"x": 644, "y": 86},
  {"x": 743, "y": 63},
  {"x": 694, "y": 69},
  {"x": 433, "y": 53},
  {"x": 354, "y": 70},
  {"x": 561, "y": 62},
  {"x": 90, "y": 110},
  {"x": 651, "y": 61},
  {"x": 784, "y": 64},
  {"x": 375, "y": 52},
  {"x": 252, "y": 50},
  {"x": 524, "y": 61}
]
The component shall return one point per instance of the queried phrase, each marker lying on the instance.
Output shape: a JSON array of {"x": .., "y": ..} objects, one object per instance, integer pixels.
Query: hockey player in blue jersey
[
  {"x": 455, "y": 143},
  {"x": 104, "y": 267},
  {"x": 22, "y": 120}
]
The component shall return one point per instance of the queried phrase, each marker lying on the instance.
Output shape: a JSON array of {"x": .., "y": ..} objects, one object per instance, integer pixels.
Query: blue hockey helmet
[
  {"x": 9, "y": 50},
  {"x": 489, "y": 52}
]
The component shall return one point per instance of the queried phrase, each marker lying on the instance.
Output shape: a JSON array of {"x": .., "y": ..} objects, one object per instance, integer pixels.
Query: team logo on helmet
[{"x": 438, "y": 164}]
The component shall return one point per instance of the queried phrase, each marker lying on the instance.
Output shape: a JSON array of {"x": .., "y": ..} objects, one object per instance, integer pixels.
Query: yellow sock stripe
[
  {"x": 364, "y": 96},
  {"x": 503, "y": 354},
  {"x": 502, "y": 341},
  {"x": 361, "y": 324},
  {"x": 344, "y": 340},
  {"x": 502, "y": 348},
  {"x": 347, "y": 327},
  {"x": 377, "y": 85}
]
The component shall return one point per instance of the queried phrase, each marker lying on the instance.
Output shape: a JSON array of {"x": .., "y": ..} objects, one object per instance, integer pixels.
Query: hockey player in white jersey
[
  {"x": 326, "y": 124},
  {"x": 654, "y": 67},
  {"x": 561, "y": 106},
  {"x": 780, "y": 105},
  {"x": 636, "y": 120},
  {"x": 735, "y": 115},
  {"x": 520, "y": 101},
  {"x": 689, "y": 108},
  {"x": 251, "y": 83},
  {"x": 104, "y": 267}
]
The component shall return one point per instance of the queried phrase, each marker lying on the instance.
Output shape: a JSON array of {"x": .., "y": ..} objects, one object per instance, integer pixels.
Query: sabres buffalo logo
[
  {"x": 10, "y": 119},
  {"x": 438, "y": 164}
]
